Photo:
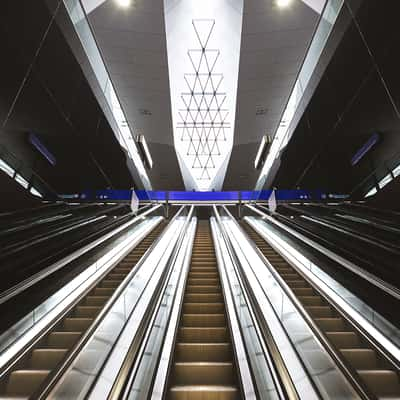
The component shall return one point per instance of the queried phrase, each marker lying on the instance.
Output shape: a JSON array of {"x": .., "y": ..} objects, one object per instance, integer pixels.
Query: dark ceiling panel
[
  {"x": 50, "y": 96},
  {"x": 353, "y": 100}
]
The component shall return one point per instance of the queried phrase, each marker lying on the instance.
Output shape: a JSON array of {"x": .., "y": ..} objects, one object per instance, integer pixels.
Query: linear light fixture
[
  {"x": 144, "y": 151},
  {"x": 6, "y": 168},
  {"x": 41, "y": 148},
  {"x": 371, "y": 142},
  {"x": 262, "y": 151}
]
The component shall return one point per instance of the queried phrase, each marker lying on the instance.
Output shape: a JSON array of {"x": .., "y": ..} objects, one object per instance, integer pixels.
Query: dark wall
[
  {"x": 44, "y": 90},
  {"x": 358, "y": 95}
]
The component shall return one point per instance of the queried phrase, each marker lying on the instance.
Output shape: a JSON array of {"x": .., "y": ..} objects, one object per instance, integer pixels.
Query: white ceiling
[
  {"x": 133, "y": 43},
  {"x": 274, "y": 42}
]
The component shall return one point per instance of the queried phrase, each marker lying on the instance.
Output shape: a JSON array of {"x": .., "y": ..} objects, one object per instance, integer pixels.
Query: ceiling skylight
[{"x": 203, "y": 43}]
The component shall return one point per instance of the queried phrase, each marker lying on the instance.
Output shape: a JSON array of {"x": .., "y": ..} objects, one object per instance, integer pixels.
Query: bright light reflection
[
  {"x": 124, "y": 3},
  {"x": 283, "y": 3}
]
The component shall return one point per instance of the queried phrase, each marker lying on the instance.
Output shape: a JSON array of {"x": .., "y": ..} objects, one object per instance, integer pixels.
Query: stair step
[
  {"x": 203, "y": 289},
  {"x": 202, "y": 275},
  {"x": 308, "y": 291},
  {"x": 203, "y": 308},
  {"x": 62, "y": 340},
  {"x": 87, "y": 311},
  {"x": 203, "y": 373},
  {"x": 290, "y": 276},
  {"x": 203, "y": 335},
  {"x": 109, "y": 283},
  {"x": 46, "y": 359},
  {"x": 98, "y": 291},
  {"x": 203, "y": 320},
  {"x": 331, "y": 324},
  {"x": 203, "y": 352},
  {"x": 117, "y": 276},
  {"x": 311, "y": 300},
  {"x": 344, "y": 340},
  {"x": 361, "y": 358},
  {"x": 299, "y": 283},
  {"x": 77, "y": 324},
  {"x": 25, "y": 382},
  {"x": 383, "y": 383},
  {"x": 203, "y": 281},
  {"x": 203, "y": 297},
  {"x": 320, "y": 311},
  {"x": 96, "y": 300},
  {"x": 204, "y": 269}
]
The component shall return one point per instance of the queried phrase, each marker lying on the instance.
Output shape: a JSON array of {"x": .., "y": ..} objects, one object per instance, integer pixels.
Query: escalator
[
  {"x": 379, "y": 377},
  {"x": 49, "y": 247},
  {"x": 368, "y": 254},
  {"x": 28, "y": 376},
  {"x": 203, "y": 362}
]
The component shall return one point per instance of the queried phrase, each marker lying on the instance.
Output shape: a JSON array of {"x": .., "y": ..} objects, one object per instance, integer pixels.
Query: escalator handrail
[
  {"x": 283, "y": 382},
  {"x": 347, "y": 370},
  {"x": 44, "y": 220},
  {"x": 71, "y": 225},
  {"x": 20, "y": 225},
  {"x": 50, "y": 384},
  {"x": 355, "y": 269},
  {"x": 330, "y": 223},
  {"x": 25, "y": 210},
  {"x": 44, "y": 273},
  {"x": 364, "y": 219}
]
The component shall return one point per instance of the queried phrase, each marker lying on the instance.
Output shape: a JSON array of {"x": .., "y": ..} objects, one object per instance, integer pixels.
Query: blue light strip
[
  {"x": 41, "y": 148},
  {"x": 176, "y": 196},
  {"x": 372, "y": 141}
]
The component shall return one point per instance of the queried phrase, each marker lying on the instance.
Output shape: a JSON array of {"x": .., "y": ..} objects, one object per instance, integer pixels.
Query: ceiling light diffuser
[{"x": 203, "y": 41}]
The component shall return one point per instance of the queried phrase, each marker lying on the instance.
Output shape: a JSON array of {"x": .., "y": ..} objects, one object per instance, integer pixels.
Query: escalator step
[
  {"x": 203, "y": 352},
  {"x": 62, "y": 340},
  {"x": 46, "y": 359},
  {"x": 77, "y": 324},
  {"x": 203, "y": 373},
  {"x": 87, "y": 311},
  {"x": 331, "y": 324},
  {"x": 203, "y": 281},
  {"x": 384, "y": 383},
  {"x": 320, "y": 311},
  {"x": 25, "y": 382},
  {"x": 203, "y": 275},
  {"x": 109, "y": 283},
  {"x": 361, "y": 358},
  {"x": 96, "y": 300},
  {"x": 203, "y": 289},
  {"x": 203, "y": 335},
  {"x": 203, "y": 297},
  {"x": 203, "y": 393},
  {"x": 345, "y": 340},
  {"x": 99, "y": 291},
  {"x": 203, "y": 320},
  {"x": 203, "y": 308},
  {"x": 311, "y": 300}
]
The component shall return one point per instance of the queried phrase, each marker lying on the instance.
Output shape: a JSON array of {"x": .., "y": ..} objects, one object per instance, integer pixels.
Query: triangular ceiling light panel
[{"x": 203, "y": 45}]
